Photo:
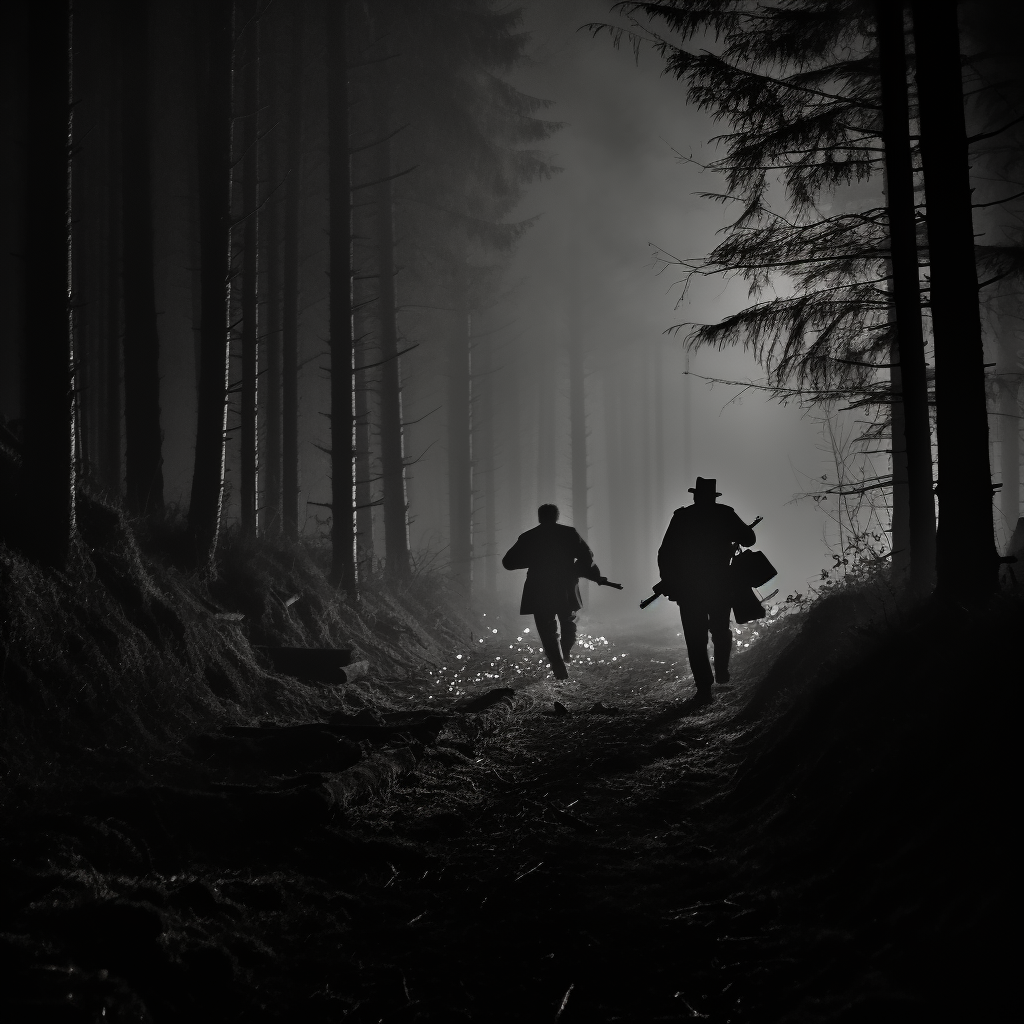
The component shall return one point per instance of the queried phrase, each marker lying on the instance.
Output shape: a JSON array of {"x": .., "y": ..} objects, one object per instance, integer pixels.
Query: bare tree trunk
[
  {"x": 48, "y": 468},
  {"x": 270, "y": 243},
  {"x": 643, "y": 465},
  {"x": 290, "y": 283},
  {"x": 911, "y": 422},
  {"x": 249, "y": 421},
  {"x": 545, "y": 368},
  {"x": 486, "y": 471},
  {"x": 900, "y": 538},
  {"x": 513, "y": 447},
  {"x": 578, "y": 417},
  {"x": 144, "y": 478},
  {"x": 460, "y": 441},
  {"x": 967, "y": 562},
  {"x": 109, "y": 444},
  {"x": 342, "y": 342},
  {"x": 392, "y": 449},
  {"x": 660, "y": 512},
  {"x": 611, "y": 382},
  {"x": 214, "y": 145},
  {"x": 1009, "y": 370},
  {"x": 364, "y": 438}
]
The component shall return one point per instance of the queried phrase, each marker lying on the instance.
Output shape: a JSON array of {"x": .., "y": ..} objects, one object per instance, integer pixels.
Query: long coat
[
  {"x": 556, "y": 557},
  {"x": 694, "y": 557}
]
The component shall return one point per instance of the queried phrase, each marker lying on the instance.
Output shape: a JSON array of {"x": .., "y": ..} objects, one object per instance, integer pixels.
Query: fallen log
[
  {"x": 315, "y": 664},
  {"x": 499, "y": 695}
]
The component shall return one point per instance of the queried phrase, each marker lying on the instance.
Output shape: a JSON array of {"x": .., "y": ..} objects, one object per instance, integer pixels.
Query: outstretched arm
[{"x": 516, "y": 557}]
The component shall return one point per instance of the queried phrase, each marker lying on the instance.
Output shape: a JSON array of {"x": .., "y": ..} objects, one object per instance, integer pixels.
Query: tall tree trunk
[
  {"x": 1009, "y": 370},
  {"x": 900, "y": 537},
  {"x": 290, "y": 285},
  {"x": 911, "y": 423},
  {"x": 611, "y": 382},
  {"x": 214, "y": 158},
  {"x": 660, "y": 512},
  {"x": 546, "y": 369},
  {"x": 513, "y": 448},
  {"x": 342, "y": 342},
  {"x": 687, "y": 402},
  {"x": 249, "y": 423},
  {"x": 578, "y": 417},
  {"x": 364, "y": 439},
  {"x": 392, "y": 448},
  {"x": 144, "y": 479},
  {"x": 460, "y": 441},
  {"x": 47, "y": 478},
  {"x": 967, "y": 563},
  {"x": 110, "y": 474},
  {"x": 271, "y": 244},
  {"x": 643, "y": 466},
  {"x": 483, "y": 423},
  {"x": 14, "y": 219}
]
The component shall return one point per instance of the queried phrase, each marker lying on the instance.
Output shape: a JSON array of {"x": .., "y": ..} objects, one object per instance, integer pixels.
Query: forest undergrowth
[{"x": 189, "y": 836}]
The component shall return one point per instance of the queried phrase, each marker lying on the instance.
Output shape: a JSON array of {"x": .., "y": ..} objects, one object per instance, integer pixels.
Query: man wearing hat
[{"x": 694, "y": 562}]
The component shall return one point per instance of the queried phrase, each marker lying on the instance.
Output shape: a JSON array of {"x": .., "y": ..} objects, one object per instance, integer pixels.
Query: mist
[{"x": 624, "y": 192}]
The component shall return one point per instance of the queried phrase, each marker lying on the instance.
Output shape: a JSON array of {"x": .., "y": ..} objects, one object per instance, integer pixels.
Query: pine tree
[
  {"x": 800, "y": 88},
  {"x": 248, "y": 75},
  {"x": 214, "y": 29},
  {"x": 48, "y": 470},
  {"x": 342, "y": 341},
  {"x": 290, "y": 282},
  {"x": 967, "y": 558},
  {"x": 144, "y": 485}
]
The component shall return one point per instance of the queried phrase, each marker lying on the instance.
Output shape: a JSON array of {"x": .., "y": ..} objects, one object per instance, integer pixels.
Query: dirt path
[
  {"x": 564, "y": 877},
  {"x": 567, "y": 855}
]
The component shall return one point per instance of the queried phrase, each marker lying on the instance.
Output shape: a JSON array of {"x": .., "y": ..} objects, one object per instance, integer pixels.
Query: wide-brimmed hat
[{"x": 705, "y": 488}]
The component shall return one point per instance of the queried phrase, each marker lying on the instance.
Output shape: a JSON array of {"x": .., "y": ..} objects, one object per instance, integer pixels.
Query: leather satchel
[{"x": 751, "y": 569}]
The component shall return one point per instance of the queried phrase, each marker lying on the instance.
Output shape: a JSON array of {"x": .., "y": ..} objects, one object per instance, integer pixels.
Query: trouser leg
[
  {"x": 548, "y": 633},
  {"x": 695, "y": 633},
  {"x": 721, "y": 637},
  {"x": 567, "y": 621}
]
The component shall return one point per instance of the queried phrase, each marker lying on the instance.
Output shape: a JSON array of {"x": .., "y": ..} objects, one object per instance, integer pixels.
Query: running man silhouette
[
  {"x": 694, "y": 562},
  {"x": 555, "y": 557}
]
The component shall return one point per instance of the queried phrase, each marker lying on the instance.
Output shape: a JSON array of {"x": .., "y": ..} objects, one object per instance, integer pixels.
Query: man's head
[
  {"x": 706, "y": 491},
  {"x": 548, "y": 514}
]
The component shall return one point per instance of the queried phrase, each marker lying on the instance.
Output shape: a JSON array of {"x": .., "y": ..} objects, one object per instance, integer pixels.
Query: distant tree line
[
  {"x": 820, "y": 95},
  {"x": 375, "y": 96}
]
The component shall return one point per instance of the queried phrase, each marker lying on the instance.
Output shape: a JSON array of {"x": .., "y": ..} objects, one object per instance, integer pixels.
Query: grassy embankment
[{"x": 829, "y": 840}]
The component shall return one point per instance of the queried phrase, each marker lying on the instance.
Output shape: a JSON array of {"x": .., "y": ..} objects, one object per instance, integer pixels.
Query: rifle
[{"x": 659, "y": 587}]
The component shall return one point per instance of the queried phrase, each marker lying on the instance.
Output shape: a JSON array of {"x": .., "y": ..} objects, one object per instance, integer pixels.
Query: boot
[{"x": 722, "y": 665}]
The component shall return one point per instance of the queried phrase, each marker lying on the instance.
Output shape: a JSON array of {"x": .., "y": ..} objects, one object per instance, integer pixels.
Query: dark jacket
[
  {"x": 694, "y": 556},
  {"x": 556, "y": 557}
]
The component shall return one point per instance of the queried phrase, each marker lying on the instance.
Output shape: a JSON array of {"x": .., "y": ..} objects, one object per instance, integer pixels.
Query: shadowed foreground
[{"x": 825, "y": 840}]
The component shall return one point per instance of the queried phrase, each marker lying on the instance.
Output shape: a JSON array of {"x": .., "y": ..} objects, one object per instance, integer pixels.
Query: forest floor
[{"x": 812, "y": 844}]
